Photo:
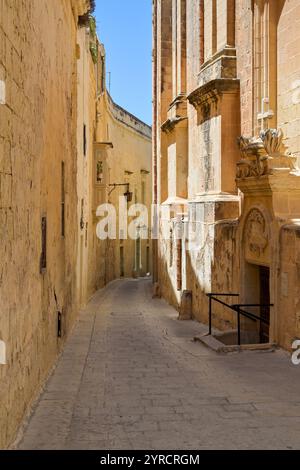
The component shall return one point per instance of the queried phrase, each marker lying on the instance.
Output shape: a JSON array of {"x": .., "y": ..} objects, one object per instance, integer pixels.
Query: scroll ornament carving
[
  {"x": 256, "y": 233},
  {"x": 272, "y": 140},
  {"x": 265, "y": 155},
  {"x": 254, "y": 159},
  {"x": 277, "y": 159}
]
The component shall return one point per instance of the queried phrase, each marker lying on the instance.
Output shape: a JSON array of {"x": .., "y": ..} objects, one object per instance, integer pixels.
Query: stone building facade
[
  {"x": 123, "y": 155},
  {"x": 37, "y": 139},
  {"x": 53, "y": 105},
  {"x": 225, "y": 160},
  {"x": 114, "y": 148}
]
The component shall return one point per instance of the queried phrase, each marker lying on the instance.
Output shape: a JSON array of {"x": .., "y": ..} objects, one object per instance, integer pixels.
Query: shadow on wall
[{"x": 217, "y": 273}]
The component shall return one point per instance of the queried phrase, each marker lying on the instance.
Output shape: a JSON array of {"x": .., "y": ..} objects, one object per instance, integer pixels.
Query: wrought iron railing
[{"x": 238, "y": 308}]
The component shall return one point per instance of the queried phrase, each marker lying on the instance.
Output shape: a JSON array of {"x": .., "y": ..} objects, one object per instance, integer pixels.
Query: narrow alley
[
  {"x": 131, "y": 377},
  {"x": 149, "y": 207}
]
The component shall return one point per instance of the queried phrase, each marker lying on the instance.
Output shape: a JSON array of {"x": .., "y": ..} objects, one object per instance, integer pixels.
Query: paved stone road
[{"x": 131, "y": 378}]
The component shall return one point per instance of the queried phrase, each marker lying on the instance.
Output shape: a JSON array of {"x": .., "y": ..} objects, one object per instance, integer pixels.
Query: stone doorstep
[{"x": 217, "y": 346}]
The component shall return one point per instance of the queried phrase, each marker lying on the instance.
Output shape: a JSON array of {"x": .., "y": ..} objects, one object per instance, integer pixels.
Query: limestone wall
[
  {"x": 244, "y": 49},
  {"x": 90, "y": 251},
  {"x": 37, "y": 133},
  {"x": 288, "y": 280},
  {"x": 289, "y": 74},
  {"x": 242, "y": 77},
  {"x": 55, "y": 115}
]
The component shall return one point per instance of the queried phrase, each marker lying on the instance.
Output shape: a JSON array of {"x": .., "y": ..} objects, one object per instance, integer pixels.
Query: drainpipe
[{"x": 154, "y": 137}]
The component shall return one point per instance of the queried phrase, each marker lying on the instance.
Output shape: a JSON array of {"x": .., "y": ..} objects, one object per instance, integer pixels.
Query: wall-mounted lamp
[{"x": 127, "y": 194}]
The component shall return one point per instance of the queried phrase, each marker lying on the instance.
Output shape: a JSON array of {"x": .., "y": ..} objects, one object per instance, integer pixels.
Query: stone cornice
[
  {"x": 127, "y": 119},
  {"x": 220, "y": 65},
  {"x": 213, "y": 90},
  {"x": 179, "y": 100},
  {"x": 177, "y": 113},
  {"x": 103, "y": 145},
  {"x": 215, "y": 197},
  {"x": 227, "y": 52},
  {"x": 174, "y": 200},
  {"x": 281, "y": 181},
  {"x": 81, "y": 7}
]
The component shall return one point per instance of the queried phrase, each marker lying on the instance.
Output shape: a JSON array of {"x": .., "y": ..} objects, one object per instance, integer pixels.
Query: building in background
[
  {"x": 114, "y": 158},
  {"x": 62, "y": 143},
  {"x": 123, "y": 169},
  {"x": 225, "y": 160}
]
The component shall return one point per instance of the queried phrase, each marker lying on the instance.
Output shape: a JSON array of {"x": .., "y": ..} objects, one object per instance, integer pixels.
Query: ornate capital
[
  {"x": 253, "y": 158},
  {"x": 212, "y": 91},
  {"x": 264, "y": 155},
  {"x": 272, "y": 141}
]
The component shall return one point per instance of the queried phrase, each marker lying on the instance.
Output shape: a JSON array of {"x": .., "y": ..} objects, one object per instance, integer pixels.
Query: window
[
  {"x": 102, "y": 74},
  {"x": 122, "y": 270},
  {"x": 62, "y": 199},
  {"x": 82, "y": 215},
  {"x": 265, "y": 65},
  {"x": 148, "y": 259},
  {"x": 100, "y": 166},
  {"x": 43, "y": 259},
  {"x": 86, "y": 234},
  {"x": 84, "y": 139},
  {"x": 171, "y": 248},
  {"x": 99, "y": 172},
  {"x": 201, "y": 17},
  {"x": 143, "y": 192},
  {"x": 214, "y": 26},
  {"x": 179, "y": 49},
  {"x": 174, "y": 51},
  {"x": 210, "y": 28}
]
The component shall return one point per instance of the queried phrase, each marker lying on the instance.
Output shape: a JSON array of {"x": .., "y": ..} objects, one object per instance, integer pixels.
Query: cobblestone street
[{"x": 131, "y": 377}]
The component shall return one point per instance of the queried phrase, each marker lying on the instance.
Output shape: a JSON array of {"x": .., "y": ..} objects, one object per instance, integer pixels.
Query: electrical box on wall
[
  {"x": 2, "y": 92},
  {"x": 2, "y": 353}
]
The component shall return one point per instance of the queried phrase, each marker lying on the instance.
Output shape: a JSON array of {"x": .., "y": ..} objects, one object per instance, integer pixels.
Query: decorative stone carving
[
  {"x": 243, "y": 143},
  {"x": 264, "y": 155},
  {"x": 254, "y": 158},
  {"x": 212, "y": 91},
  {"x": 177, "y": 113},
  {"x": 272, "y": 141},
  {"x": 256, "y": 234},
  {"x": 169, "y": 125},
  {"x": 277, "y": 159}
]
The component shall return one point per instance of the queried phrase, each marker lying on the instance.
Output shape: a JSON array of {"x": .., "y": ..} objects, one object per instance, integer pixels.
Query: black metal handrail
[
  {"x": 236, "y": 308},
  {"x": 212, "y": 297}
]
